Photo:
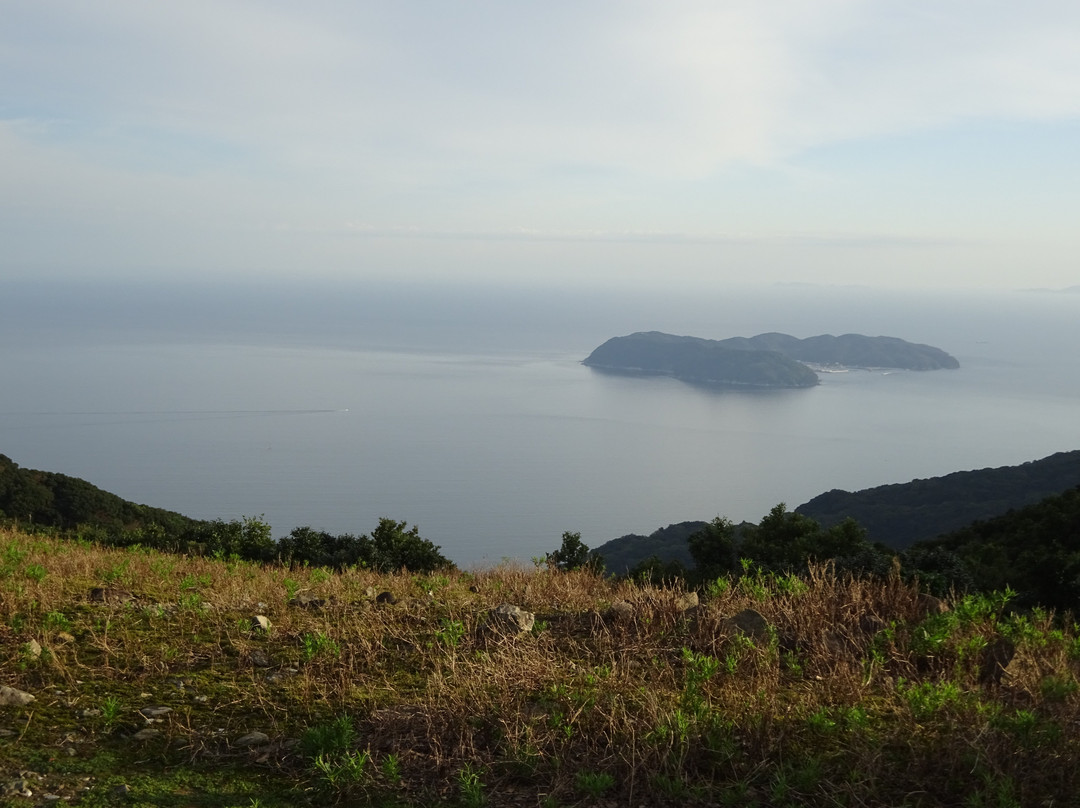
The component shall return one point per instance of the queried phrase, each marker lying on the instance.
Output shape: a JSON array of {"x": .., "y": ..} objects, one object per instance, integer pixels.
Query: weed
[
  {"x": 56, "y": 621},
  {"x": 35, "y": 572},
  {"x": 391, "y": 769},
  {"x": 291, "y": 588},
  {"x": 717, "y": 588},
  {"x": 1057, "y": 687},
  {"x": 330, "y": 739},
  {"x": 470, "y": 787},
  {"x": 700, "y": 668},
  {"x": 791, "y": 584},
  {"x": 792, "y": 664},
  {"x": 116, "y": 572},
  {"x": 594, "y": 784},
  {"x": 927, "y": 699},
  {"x": 191, "y": 581},
  {"x": 317, "y": 644},
  {"x": 338, "y": 772},
  {"x": 110, "y": 710},
  {"x": 451, "y": 632}
]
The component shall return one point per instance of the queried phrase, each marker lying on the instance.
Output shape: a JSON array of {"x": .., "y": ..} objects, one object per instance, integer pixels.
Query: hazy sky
[{"x": 834, "y": 141}]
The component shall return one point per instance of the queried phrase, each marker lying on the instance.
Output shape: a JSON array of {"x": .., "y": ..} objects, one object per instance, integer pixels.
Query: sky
[{"x": 695, "y": 144}]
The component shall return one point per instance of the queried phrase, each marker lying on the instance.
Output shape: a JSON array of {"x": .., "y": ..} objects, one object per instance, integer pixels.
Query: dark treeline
[
  {"x": 39, "y": 499},
  {"x": 1034, "y": 550},
  {"x": 902, "y": 514}
]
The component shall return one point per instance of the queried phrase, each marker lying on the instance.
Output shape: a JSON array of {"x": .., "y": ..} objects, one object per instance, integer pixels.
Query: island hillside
[
  {"x": 767, "y": 360},
  {"x": 902, "y": 514},
  {"x": 699, "y": 361},
  {"x": 850, "y": 350}
]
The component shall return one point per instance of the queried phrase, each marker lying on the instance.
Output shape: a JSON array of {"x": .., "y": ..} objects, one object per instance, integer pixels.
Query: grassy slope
[{"x": 857, "y": 696}]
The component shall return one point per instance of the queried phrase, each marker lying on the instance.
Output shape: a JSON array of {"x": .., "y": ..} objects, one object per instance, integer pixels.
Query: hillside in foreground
[{"x": 167, "y": 680}]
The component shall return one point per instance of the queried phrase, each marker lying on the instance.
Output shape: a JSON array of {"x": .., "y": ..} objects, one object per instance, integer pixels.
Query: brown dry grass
[{"x": 855, "y": 696}]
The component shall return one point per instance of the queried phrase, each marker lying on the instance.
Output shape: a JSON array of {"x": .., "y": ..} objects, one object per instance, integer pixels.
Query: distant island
[{"x": 767, "y": 361}]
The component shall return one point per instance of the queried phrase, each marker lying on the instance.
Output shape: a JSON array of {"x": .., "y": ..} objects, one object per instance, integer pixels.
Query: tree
[
  {"x": 713, "y": 549},
  {"x": 785, "y": 540},
  {"x": 574, "y": 555},
  {"x": 393, "y": 546}
]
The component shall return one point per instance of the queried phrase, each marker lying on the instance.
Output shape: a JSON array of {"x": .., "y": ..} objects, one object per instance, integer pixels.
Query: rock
[
  {"x": 687, "y": 601},
  {"x": 386, "y": 597},
  {"x": 994, "y": 660},
  {"x": 277, "y": 676},
  {"x": 110, "y": 594},
  {"x": 370, "y": 592},
  {"x": 19, "y": 787},
  {"x": 121, "y": 790},
  {"x": 928, "y": 605},
  {"x": 751, "y": 623},
  {"x": 261, "y": 622},
  {"x": 509, "y": 620},
  {"x": 621, "y": 611},
  {"x": 32, "y": 649},
  {"x": 306, "y": 600},
  {"x": 259, "y": 658},
  {"x": 155, "y": 712},
  {"x": 14, "y": 698},
  {"x": 147, "y": 734},
  {"x": 89, "y": 712},
  {"x": 870, "y": 624},
  {"x": 64, "y": 637},
  {"x": 253, "y": 739}
]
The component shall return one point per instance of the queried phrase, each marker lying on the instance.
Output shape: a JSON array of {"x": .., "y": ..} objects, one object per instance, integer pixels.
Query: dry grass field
[{"x": 154, "y": 684}]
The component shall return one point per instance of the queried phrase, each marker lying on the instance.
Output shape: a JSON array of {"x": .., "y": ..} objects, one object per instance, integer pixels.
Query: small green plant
[
  {"x": 391, "y": 769},
  {"x": 116, "y": 572},
  {"x": 926, "y": 699},
  {"x": 320, "y": 575},
  {"x": 594, "y": 784},
  {"x": 341, "y": 771},
  {"x": 791, "y": 584},
  {"x": 56, "y": 621},
  {"x": 700, "y": 668},
  {"x": 450, "y": 632},
  {"x": 821, "y": 721},
  {"x": 317, "y": 644},
  {"x": 110, "y": 710},
  {"x": 334, "y": 738},
  {"x": 1057, "y": 687},
  {"x": 792, "y": 664},
  {"x": 191, "y": 581},
  {"x": 291, "y": 588},
  {"x": 470, "y": 787},
  {"x": 718, "y": 587},
  {"x": 35, "y": 572},
  {"x": 674, "y": 788}
]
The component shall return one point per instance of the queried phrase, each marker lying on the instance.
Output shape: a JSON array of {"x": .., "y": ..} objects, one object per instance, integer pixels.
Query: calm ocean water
[{"x": 470, "y": 415}]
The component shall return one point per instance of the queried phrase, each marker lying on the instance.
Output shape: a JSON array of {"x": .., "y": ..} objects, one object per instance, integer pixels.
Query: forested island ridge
[{"x": 766, "y": 360}]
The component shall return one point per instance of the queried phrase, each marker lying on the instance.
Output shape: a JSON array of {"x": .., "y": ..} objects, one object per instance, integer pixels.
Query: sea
[{"x": 465, "y": 409}]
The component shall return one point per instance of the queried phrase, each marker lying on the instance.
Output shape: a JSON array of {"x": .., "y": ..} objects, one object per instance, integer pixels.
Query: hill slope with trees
[{"x": 902, "y": 514}]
